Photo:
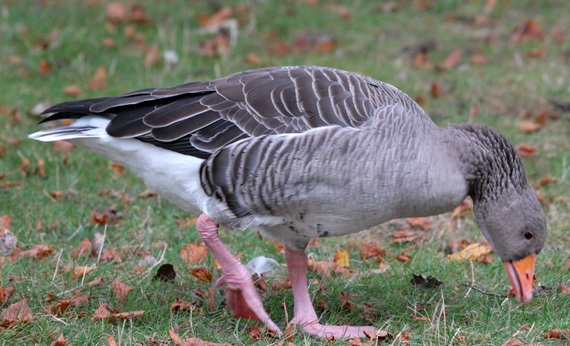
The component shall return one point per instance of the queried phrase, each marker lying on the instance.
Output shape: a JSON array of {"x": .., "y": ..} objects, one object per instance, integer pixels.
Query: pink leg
[
  {"x": 305, "y": 315},
  {"x": 241, "y": 296}
]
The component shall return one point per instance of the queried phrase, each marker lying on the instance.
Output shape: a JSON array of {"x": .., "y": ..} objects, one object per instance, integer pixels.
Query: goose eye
[{"x": 528, "y": 235}]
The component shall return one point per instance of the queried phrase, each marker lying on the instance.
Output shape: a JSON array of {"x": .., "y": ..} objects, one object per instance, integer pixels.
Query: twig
[{"x": 499, "y": 295}]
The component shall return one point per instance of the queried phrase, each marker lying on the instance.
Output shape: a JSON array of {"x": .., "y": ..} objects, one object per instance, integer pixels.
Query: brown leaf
[
  {"x": 111, "y": 341},
  {"x": 44, "y": 67},
  {"x": 101, "y": 313},
  {"x": 451, "y": 61},
  {"x": 126, "y": 315},
  {"x": 471, "y": 252},
  {"x": 422, "y": 222},
  {"x": 191, "y": 341},
  {"x": 378, "y": 335},
  {"x": 84, "y": 248},
  {"x": 253, "y": 59},
  {"x": 147, "y": 194},
  {"x": 62, "y": 147},
  {"x": 121, "y": 290},
  {"x": 436, "y": 91},
  {"x": 109, "y": 216},
  {"x": 529, "y": 126},
  {"x": 99, "y": 80},
  {"x": 567, "y": 264},
  {"x": 18, "y": 312},
  {"x": 80, "y": 271},
  {"x": 5, "y": 223},
  {"x": 215, "y": 18},
  {"x": 279, "y": 285},
  {"x": 479, "y": 58},
  {"x": 194, "y": 253},
  {"x": 526, "y": 150},
  {"x": 404, "y": 236},
  {"x": 421, "y": 61},
  {"x": 182, "y": 305},
  {"x": 562, "y": 334},
  {"x": 95, "y": 282},
  {"x": 5, "y": 294},
  {"x": 73, "y": 90},
  {"x": 61, "y": 306},
  {"x": 342, "y": 258},
  {"x": 117, "y": 169},
  {"x": 324, "y": 268},
  {"x": 60, "y": 341},
  {"x": 152, "y": 56},
  {"x": 545, "y": 180},
  {"x": 117, "y": 12},
  {"x": 38, "y": 252},
  {"x": 564, "y": 289},
  {"x": 201, "y": 273},
  {"x": 369, "y": 250},
  {"x": 538, "y": 53},
  {"x": 345, "y": 301},
  {"x": 25, "y": 165},
  {"x": 403, "y": 257},
  {"x": 527, "y": 30}
]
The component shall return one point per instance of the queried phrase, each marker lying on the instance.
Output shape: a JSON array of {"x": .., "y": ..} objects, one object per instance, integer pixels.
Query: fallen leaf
[
  {"x": 5, "y": 294},
  {"x": 152, "y": 56},
  {"x": 60, "y": 307},
  {"x": 38, "y": 252},
  {"x": 95, "y": 282},
  {"x": 80, "y": 271},
  {"x": 16, "y": 313},
  {"x": 342, "y": 258},
  {"x": 369, "y": 250},
  {"x": 84, "y": 248},
  {"x": 451, "y": 61},
  {"x": 403, "y": 257},
  {"x": 345, "y": 301},
  {"x": 545, "y": 180},
  {"x": 201, "y": 273},
  {"x": 112, "y": 342},
  {"x": 73, "y": 90},
  {"x": 470, "y": 253},
  {"x": 423, "y": 223},
  {"x": 182, "y": 305},
  {"x": 378, "y": 335},
  {"x": 526, "y": 150},
  {"x": 279, "y": 285},
  {"x": 99, "y": 80},
  {"x": 216, "y": 17},
  {"x": 147, "y": 194},
  {"x": 538, "y": 53},
  {"x": 44, "y": 67},
  {"x": 191, "y": 341},
  {"x": 404, "y": 236},
  {"x": 324, "y": 268},
  {"x": 194, "y": 253},
  {"x": 436, "y": 91},
  {"x": 101, "y": 313},
  {"x": 562, "y": 334},
  {"x": 527, "y": 30},
  {"x": 121, "y": 290},
  {"x": 60, "y": 341},
  {"x": 117, "y": 12},
  {"x": 253, "y": 59},
  {"x": 564, "y": 289},
  {"x": 117, "y": 169}
]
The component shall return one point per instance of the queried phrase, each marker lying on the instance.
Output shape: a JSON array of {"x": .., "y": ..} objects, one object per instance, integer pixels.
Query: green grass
[{"x": 371, "y": 42}]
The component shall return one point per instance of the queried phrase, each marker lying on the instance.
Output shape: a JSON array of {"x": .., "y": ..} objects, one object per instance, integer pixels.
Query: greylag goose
[{"x": 305, "y": 152}]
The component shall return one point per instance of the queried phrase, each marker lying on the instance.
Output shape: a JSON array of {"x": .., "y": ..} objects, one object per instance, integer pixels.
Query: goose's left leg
[
  {"x": 305, "y": 315},
  {"x": 241, "y": 296}
]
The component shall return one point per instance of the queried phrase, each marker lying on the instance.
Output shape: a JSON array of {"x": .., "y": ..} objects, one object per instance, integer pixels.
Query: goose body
[{"x": 304, "y": 152}]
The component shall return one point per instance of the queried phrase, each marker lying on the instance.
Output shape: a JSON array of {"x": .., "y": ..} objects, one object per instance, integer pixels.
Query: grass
[{"x": 372, "y": 42}]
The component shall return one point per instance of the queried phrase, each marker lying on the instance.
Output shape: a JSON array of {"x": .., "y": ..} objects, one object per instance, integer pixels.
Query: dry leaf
[
  {"x": 73, "y": 90},
  {"x": 324, "y": 268},
  {"x": 470, "y": 253},
  {"x": 111, "y": 341},
  {"x": 201, "y": 273},
  {"x": 18, "y": 312},
  {"x": 38, "y": 252},
  {"x": 121, "y": 290},
  {"x": 99, "y": 80},
  {"x": 101, "y": 313},
  {"x": 403, "y": 257},
  {"x": 422, "y": 222},
  {"x": 436, "y": 91},
  {"x": 342, "y": 258},
  {"x": 60, "y": 341},
  {"x": 117, "y": 169},
  {"x": 177, "y": 341},
  {"x": 44, "y": 67},
  {"x": 216, "y": 18},
  {"x": 182, "y": 305},
  {"x": 80, "y": 271},
  {"x": 194, "y": 253},
  {"x": 527, "y": 30},
  {"x": 452, "y": 60},
  {"x": 84, "y": 248},
  {"x": 152, "y": 56},
  {"x": 369, "y": 250},
  {"x": 117, "y": 12},
  {"x": 562, "y": 334},
  {"x": 526, "y": 150},
  {"x": 5, "y": 294},
  {"x": 279, "y": 285}
]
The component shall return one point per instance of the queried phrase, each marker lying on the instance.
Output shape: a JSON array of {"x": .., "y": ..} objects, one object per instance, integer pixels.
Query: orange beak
[{"x": 521, "y": 276}]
